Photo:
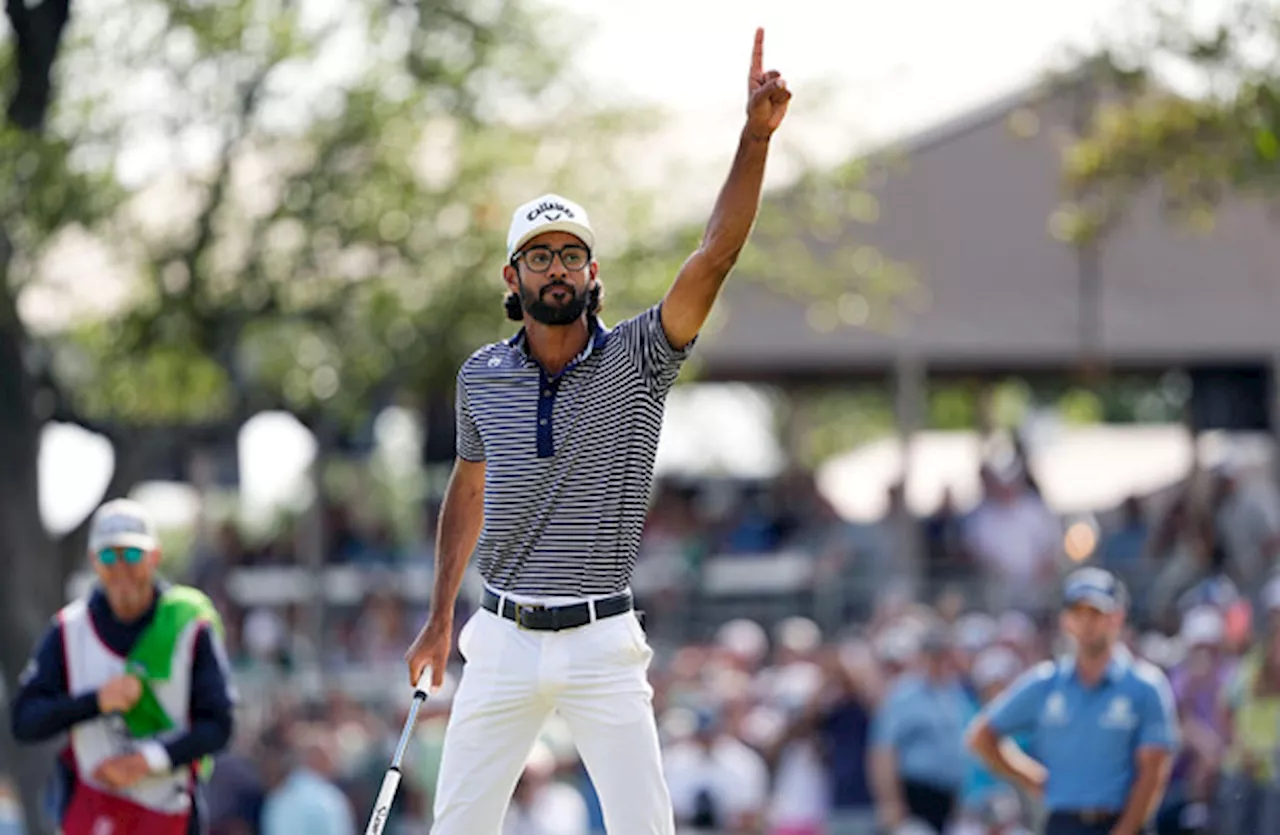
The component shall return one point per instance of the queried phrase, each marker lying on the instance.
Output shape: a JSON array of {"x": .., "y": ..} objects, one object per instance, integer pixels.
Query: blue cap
[{"x": 1097, "y": 587}]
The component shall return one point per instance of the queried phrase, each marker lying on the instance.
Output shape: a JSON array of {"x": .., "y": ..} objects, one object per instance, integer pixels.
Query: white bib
[{"x": 91, "y": 664}]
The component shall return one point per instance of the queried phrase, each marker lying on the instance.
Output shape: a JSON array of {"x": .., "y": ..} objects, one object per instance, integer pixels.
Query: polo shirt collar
[
  {"x": 1121, "y": 661},
  {"x": 598, "y": 334}
]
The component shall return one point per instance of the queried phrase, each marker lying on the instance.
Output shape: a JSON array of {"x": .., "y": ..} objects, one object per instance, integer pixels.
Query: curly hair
[{"x": 515, "y": 310}]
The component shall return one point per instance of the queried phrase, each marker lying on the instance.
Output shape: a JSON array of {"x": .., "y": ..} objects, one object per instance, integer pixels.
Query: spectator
[
  {"x": 1178, "y": 556},
  {"x": 717, "y": 783},
  {"x": 1015, "y": 541},
  {"x": 1123, "y": 551},
  {"x": 993, "y": 670},
  {"x": 944, "y": 543},
  {"x": 1198, "y": 683},
  {"x": 854, "y": 687},
  {"x": 1018, "y": 632},
  {"x": 1250, "y": 801},
  {"x": 974, "y": 632},
  {"x": 902, "y": 558},
  {"x": 918, "y": 758},
  {"x": 1247, "y": 522},
  {"x": 234, "y": 795},
  {"x": 302, "y": 796},
  {"x": 543, "y": 806},
  {"x": 753, "y": 527},
  {"x": 799, "y": 803}
]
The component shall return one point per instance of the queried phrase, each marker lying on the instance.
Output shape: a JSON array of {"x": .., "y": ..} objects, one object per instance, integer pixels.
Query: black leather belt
[
  {"x": 555, "y": 618},
  {"x": 1089, "y": 817}
]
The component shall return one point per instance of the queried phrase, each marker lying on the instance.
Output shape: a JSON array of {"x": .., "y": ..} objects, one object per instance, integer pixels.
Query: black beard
[{"x": 553, "y": 314}]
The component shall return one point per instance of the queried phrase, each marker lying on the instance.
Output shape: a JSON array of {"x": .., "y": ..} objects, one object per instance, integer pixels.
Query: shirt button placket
[{"x": 544, "y": 429}]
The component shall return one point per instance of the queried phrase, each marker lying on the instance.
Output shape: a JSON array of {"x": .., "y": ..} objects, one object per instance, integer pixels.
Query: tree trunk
[
  {"x": 33, "y": 579},
  {"x": 38, "y": 29},
  {"x": 28, "y": 598}
]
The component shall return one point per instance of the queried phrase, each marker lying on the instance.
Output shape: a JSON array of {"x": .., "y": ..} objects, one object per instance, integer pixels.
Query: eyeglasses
[
  {"x": 539, "y": 258},
  {"x": 130, "y": 556}
]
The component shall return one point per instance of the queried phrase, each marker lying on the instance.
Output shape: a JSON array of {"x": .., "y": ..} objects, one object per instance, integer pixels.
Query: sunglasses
[{"x": 130, "y": 556}]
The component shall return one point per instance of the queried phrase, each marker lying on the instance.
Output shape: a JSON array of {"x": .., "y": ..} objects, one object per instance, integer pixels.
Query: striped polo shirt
[{"x": 568, "y": 457}]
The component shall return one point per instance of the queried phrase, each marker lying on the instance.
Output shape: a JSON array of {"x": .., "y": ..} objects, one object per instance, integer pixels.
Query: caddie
[{"x": 135, "y": 673}]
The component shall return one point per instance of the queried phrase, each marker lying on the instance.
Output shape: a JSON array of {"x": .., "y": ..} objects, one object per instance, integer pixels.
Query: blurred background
[{"x": 1010, "y": 308}]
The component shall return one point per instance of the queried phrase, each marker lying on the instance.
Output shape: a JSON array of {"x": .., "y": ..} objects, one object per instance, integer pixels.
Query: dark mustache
[{"x": 553, "y": 285}]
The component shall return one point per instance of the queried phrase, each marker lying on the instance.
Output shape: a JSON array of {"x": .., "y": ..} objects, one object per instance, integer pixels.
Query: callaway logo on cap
[{"x": 548, "y": 213}]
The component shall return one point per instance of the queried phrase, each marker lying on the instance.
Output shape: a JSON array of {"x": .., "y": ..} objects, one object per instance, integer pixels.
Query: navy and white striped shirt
[{"x": 569, "y": 458}]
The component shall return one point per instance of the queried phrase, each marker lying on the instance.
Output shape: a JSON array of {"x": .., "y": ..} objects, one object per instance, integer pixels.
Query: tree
[
  {"x": 37, "y": 29},
  {"x": 296, "y": 212},
  {"x": 1193, "y": 105}
]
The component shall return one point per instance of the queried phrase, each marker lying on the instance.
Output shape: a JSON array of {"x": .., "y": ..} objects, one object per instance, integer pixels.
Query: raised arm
[{"x": 688, "y": 302}]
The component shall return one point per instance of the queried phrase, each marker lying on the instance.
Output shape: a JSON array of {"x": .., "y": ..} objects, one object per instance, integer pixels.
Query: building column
[
  {"x": 1274, "y": 414},
  {"x": 910, "y": 390}
]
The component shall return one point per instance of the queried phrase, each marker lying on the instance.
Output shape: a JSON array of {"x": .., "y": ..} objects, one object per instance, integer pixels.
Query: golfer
[{"x": 557, "y": 433}]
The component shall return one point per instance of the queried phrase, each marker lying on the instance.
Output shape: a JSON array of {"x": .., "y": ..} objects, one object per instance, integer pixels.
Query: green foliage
[
  {"x": 1216, "y": 132},
  {"x": 836, "y": 421},
  {"x": 806, "y": 245},
  {"x": 310, "y": 211},
  {"x": 42, "y": 194},
  {"x": 952, "y": 407}
]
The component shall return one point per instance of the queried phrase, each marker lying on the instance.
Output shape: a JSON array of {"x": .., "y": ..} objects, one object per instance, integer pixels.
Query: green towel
[{"x": 151, "y": 658}]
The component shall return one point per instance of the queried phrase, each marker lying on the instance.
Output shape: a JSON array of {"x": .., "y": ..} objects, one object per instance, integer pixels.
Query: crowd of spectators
[
  {"x": 780, "y": 731},
  {"x": 772, "y": 725}
]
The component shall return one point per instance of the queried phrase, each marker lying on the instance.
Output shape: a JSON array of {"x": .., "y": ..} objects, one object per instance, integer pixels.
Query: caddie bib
[{"x": 161, "y": 803}]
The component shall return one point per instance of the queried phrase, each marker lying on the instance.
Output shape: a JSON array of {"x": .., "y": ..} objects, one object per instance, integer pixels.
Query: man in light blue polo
[
  {"x": 1101, "y": 724},
  {"x": 917, "y": 741}
]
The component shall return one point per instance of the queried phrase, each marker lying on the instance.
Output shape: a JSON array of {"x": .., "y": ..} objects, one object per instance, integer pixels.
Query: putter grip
[{"x": 382, "y": 808}]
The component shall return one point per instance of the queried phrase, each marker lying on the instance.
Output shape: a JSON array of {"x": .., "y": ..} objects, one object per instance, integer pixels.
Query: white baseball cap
[
  {"x": 1202, "y": 626},
  {"x": 995, "y": 664},
  {"x": 122, "y": 523},
  {"x": 548, "y": 213},
  {"x": 897, "y": 645}
]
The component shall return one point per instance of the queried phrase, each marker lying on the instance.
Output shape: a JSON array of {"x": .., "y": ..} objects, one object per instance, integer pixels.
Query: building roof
[{"x": 970, "y": 214}]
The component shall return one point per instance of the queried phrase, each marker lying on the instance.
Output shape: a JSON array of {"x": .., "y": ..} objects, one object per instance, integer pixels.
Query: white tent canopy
[{"x": 1079, "y": 469}]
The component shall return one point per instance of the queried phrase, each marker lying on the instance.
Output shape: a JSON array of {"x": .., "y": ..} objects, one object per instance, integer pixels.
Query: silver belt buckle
[{"x": 521, "y": 608}]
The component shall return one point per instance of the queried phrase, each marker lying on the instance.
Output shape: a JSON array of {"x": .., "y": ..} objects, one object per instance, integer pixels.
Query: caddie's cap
[
  {"x": 122, "y": 523},
  {"x": 548, "y": 213}
]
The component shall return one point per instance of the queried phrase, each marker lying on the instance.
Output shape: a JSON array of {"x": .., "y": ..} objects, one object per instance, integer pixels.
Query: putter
[{"x": 391, "y": 780}]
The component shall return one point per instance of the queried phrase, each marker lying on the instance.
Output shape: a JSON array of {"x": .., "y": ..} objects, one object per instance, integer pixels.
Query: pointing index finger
[{"x": 757, "y": 54}]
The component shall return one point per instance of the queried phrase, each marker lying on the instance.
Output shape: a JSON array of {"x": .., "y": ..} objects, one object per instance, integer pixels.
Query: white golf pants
[{"x": 596, "y": 678}]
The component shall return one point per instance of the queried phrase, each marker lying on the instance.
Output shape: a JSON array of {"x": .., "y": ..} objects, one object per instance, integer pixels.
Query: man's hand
[
  {"x": 891, "y": 814},
  {"x": 123, "y": 771},
  {"x": 1034, "y": 787},
  {"x": 119, "y": 694},
  {"x": 430, "y": 650},
  {"x": 767, "y": 95}
]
